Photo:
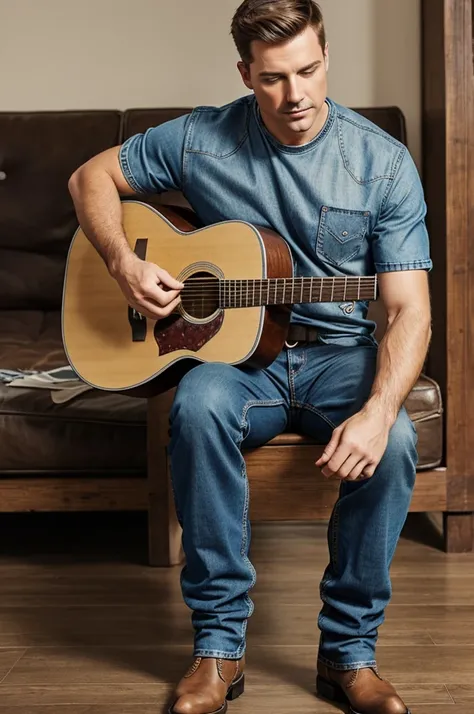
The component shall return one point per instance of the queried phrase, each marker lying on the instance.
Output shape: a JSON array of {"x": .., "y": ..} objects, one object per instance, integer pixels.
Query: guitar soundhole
[{"x": 200, "y": 295}]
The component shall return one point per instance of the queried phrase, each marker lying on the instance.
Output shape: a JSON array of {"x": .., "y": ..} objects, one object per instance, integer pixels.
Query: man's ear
[
  {"x": 326, "y": 56},
  {"x": 244, "y": 70}
]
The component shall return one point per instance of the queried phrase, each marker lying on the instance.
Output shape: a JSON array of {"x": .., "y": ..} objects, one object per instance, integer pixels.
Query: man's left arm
[
  {"x": 403, "y": 349},
  {"x": 401, "y": 258}
]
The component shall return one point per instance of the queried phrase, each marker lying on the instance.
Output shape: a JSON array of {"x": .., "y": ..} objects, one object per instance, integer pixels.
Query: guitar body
[{"x": 112, "y": 348}]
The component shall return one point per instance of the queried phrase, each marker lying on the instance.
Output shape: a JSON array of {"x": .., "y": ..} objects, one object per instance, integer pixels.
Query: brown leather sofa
[{"x": 92, "y": 452}]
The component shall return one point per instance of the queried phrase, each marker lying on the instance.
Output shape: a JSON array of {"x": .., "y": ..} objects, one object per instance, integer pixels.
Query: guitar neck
[{"x": 291, "y": 291}]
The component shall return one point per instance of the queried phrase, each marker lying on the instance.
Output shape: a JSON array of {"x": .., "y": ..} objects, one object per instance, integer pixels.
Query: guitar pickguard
[{"x": 176, "y": 333}]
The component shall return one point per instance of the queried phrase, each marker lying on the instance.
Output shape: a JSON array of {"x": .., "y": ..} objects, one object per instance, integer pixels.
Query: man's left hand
[{"x": 356, "y": 447}]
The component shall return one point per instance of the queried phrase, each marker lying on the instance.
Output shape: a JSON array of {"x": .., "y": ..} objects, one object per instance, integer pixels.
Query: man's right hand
[{"x": 148, "y": 288}]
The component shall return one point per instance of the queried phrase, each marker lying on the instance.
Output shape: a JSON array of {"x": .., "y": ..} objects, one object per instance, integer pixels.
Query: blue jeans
[{"x": 219, "y": 408}]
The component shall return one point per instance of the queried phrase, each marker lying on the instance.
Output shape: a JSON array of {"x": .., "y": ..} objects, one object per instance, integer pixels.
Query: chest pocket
[{"x": 341, "y": 233}]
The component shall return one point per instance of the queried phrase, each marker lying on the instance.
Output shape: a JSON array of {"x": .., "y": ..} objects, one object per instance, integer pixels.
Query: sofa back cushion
[{"x": 38, "y": 153}]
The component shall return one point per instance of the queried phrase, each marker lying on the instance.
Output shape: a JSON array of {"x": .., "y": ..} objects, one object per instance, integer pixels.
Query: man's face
[{"x": 290, "y": 84}]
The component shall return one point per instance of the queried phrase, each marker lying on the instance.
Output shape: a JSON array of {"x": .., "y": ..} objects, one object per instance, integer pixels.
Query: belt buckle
[{"x": 290, "y": 347}]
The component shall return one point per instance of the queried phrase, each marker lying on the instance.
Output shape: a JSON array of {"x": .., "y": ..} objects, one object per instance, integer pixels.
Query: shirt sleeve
[
  {"x": 153, "y": 162},
  {"x": 400, "y": 239}
]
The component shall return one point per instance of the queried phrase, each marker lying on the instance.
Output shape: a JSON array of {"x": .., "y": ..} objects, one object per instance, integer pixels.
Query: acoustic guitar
[{"x": 235, "y": 305}]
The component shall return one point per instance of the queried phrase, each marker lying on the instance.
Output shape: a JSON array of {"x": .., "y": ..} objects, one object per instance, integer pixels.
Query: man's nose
[{"x": 295, "y": 95}]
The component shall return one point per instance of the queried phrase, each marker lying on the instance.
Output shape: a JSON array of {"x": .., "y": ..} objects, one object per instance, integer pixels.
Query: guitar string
[
  {"x": 301, "y": 277},
  {"x": 288, "y": 281},
  {"x": 348, "y": 295},
  {"x": 272, "y": 284},
  {"x": 279, "y": 291},
  {"x": 242, "y": 300}
]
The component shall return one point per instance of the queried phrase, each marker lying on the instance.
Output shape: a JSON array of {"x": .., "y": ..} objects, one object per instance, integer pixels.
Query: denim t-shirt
[{"x": 349, "y": 203}]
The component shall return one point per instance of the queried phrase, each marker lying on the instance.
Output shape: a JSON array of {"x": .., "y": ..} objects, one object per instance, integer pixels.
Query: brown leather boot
[
  {"x": 207, "y": 685},
  {"x": 363, "y": 689}
]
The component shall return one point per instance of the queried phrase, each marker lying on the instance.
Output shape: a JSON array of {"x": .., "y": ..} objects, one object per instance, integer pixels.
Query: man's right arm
[{"x": 95, "y": 188}]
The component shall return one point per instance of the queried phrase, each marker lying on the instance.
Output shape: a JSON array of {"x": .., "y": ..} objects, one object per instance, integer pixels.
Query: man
[{"x": 348, "y": 200}]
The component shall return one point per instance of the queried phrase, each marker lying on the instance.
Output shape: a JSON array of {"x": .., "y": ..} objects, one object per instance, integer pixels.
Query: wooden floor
[{"x": 87, "y": 627}]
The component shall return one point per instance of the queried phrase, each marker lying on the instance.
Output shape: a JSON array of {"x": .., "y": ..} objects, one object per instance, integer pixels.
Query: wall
[{"x": 60, "y": 54}]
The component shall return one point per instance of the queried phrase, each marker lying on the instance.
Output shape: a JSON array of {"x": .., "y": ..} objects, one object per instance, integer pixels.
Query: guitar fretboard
[{"x": 290, "y": 291}]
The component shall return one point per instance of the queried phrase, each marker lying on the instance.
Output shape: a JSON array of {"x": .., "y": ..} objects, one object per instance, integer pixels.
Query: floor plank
[{"x": 87, "y": 627}]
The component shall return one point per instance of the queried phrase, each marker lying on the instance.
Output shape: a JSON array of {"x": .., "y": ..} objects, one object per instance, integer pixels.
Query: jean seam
[
  {"x": 126, "y": 170},
  {"x": 390, "y": 184},
  {"x": 187, "y": 140},
  {"x": 408, "y": 265},
  {"x": 173, "y": 490},
  {"x": 350, "y": 665},
  {"x": 311, "y": 408},
  {"x": 342, "y": 150},
  {"x": 217, "y": 653},
  {"x": 249, "y": 603},
  {"x": 291, "y": 376},
  {"x": 243, "y": 546},
  {"x": 334, "y": 536}
]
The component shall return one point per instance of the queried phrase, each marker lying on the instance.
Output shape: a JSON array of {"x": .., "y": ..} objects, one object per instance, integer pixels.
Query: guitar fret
[{"x": 241, "y": 293}]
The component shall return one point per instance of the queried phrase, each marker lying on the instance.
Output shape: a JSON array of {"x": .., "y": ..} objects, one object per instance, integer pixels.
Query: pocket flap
[{"x": 345, "y": 225}]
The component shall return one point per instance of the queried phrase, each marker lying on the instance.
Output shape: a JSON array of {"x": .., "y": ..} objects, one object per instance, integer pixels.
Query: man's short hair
[{"x": 274, "y": 22}]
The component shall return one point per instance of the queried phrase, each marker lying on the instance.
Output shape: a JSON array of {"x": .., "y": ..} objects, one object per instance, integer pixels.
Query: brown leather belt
[{"x": 302, "y": 333}]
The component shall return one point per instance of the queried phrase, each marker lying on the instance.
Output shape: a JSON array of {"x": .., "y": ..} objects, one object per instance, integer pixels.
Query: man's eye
[
  {"x": 308, "y": 74},
  {"x": 273, "y": 80}
]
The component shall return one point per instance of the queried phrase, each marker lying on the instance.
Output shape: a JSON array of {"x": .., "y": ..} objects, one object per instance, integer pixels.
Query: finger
[
  {"x": 168, "y": 280},
  {"x": 357, "y": 472},
  {"x": 329, "y": 449},
  {"x": 159, "y": 296},
  {"x": 367, "y": 472},
  {"x": 148, "y": 308},
  {"x": 349, "y": 466},
  {"x": 341, "y": 454}
]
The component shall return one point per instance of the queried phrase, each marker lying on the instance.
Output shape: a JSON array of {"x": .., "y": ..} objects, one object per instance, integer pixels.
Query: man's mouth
[{"x": 298, "y": 112}]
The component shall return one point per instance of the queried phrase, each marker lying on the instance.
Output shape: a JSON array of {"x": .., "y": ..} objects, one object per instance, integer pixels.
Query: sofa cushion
[
  {"x": 94, "y": 432},
  {"x": 98, "y": 431},
  {"x": 38, "y": 153}
]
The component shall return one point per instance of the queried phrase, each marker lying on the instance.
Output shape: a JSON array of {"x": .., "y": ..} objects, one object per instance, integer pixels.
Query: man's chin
[{"x": 301, "y": 126}]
